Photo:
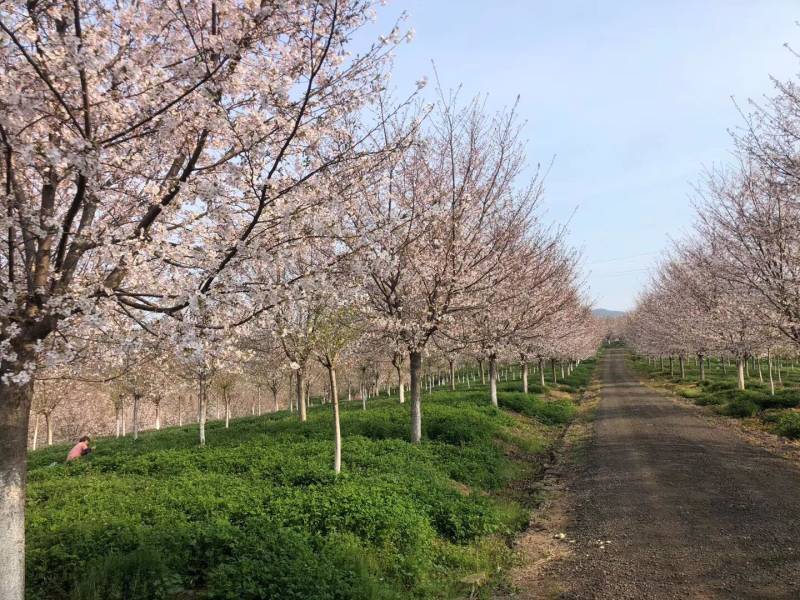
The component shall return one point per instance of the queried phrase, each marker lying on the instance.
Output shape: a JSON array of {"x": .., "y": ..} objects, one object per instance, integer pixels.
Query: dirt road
[{"x": 667, "y": 505}]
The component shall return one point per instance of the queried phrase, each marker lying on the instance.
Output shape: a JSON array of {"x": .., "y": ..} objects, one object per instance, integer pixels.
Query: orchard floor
[{"x": 664, "y": 504}]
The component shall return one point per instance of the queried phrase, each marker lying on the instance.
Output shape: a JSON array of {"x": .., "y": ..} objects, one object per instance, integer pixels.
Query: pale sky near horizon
[{"x": 631, "y": 97}]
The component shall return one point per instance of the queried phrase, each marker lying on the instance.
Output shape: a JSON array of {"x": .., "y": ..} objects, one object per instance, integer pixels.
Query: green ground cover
[{"x": 259, "y": 513}]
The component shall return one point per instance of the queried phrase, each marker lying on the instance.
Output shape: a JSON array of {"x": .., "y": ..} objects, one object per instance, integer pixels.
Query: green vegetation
[
  {"x": 259, "y": 513},
  {"x": 777, "y": 413}
]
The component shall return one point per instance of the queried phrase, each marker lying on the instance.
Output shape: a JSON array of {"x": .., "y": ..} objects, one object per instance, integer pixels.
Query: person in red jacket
[{"x": 80, "y": 449}]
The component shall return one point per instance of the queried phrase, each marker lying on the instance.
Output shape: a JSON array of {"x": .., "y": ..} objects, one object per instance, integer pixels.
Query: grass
[
  {"x": 259, "y": 513},
  {"x": 777, "y": 413}
]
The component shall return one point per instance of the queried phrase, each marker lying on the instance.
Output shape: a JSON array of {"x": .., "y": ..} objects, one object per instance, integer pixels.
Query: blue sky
[{"x": 632, "y": 97}]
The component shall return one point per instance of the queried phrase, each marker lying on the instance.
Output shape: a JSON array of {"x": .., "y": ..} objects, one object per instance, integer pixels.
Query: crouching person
[{"x": 80, "y": 449}]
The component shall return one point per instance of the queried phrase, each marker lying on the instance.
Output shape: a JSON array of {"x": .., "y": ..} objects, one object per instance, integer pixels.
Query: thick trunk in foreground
[
  {"x": 415, "y": 360},
  {"x": 524, "y": 377},
  {"x": 493, "y": 380},
  {"x": 337, "y": 430},
  {"x": 15, "y": 405}
]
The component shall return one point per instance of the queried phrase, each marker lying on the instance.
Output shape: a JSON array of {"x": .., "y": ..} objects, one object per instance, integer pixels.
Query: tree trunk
[
  {"x": 415, "y": 367},
  {"x": 553, "y": 369},
  {"x": 48, "y": 420},
  {"x": 301, "y": 401},
  {"x": 227, "y": 399},
  {"x": 180, "y": 411},
  {"x": 702, "y": 367},
  {"x": 493, "y": 380},
  {"x": 158, "y": 417},
  {"x": 36, "y": 430},
  {"x": 337, "y": 431},
  {"x": 771, "y": 380},
  {"x": 740, "y": 366},
  {"x": 15, "y": 406},
  {"x": 275, "y": 400},
  {"x": 671, "y": 366},
  {"x": 760, "y": 374},
  {"x": 452, "y": 376},
  {"x": 483, "y": 374},
  {"x": 400, "y": 389},
  {"x": 135, "y": 416},
  {"x": 525, "y": 377},
  {"x": 118, "y": 421},
  {"x": 682, "y": 362},
  {"x": 541, "y": 372},
  {"x": 202, "y": 405},
  {"x": 561, "y": 363}
]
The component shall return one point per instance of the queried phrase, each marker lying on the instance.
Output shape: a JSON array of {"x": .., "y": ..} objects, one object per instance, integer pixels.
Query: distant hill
[{"x": 604, "y": 312}]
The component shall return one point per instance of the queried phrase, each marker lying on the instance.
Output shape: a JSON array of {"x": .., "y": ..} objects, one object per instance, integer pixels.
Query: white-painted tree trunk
[
  {"x": 180, "y": 411},
  {"x": 524, "y": 377},
  {"x": 701, "y": 360},
  {"x": 452, "y": 376},
  {"x": 227, "y": 399},
  {"x": 740, "y": 366},
  {"x": 158, "y": 417},
  {"x": 415, "y": 368},
  {"x": 493, "y": 380},
  {"x": 400, "y": 384},
  {"x": 541, "y": 372},
  {"x": 202, "y": 411},
  {"x": 135, "y": 423},
  {"x": 337, "y": 430},
  {"x": 36, "y": 431},
  {"x": 771, "y": 380},
  {"x": 300, "y": 394},
  {"x": 682, "y": 362}
]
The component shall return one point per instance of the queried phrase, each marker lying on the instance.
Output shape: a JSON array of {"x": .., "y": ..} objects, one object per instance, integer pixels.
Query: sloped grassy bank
[
  {"x": 776, "y": 413},
  {"x": 259, "y": 513}
]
